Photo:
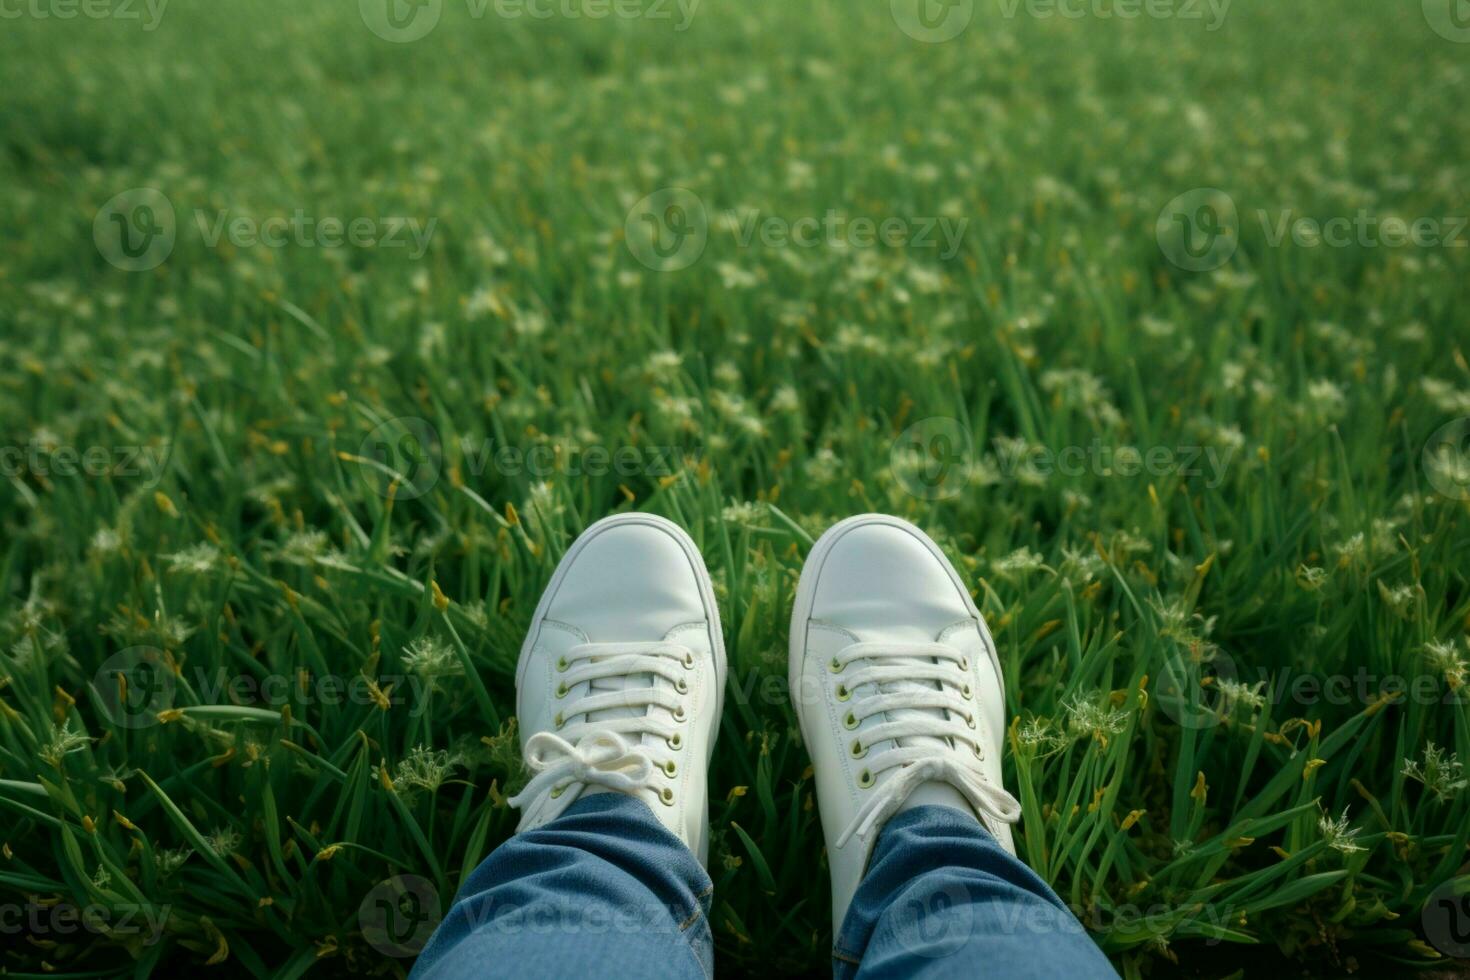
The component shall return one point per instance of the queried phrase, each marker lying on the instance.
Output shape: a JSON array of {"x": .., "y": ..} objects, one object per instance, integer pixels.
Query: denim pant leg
[
  {"x": 602, "y": 890},
  {"x": 942, "y": 899}
]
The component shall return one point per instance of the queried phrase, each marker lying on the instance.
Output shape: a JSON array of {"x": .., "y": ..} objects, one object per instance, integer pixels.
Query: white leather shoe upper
[
  {"x": 897, "y": 689},
  {"x": 621, "y": 678}
]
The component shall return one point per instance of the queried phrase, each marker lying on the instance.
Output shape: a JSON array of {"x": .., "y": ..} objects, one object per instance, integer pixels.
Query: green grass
[{"x": 775, "y": 381}]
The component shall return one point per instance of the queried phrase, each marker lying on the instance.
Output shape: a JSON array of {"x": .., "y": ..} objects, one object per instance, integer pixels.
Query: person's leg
[
  {"x": 619, "y": 689},
  {"x": 898, "y": 689},
  {"x": 604, "y": 883},
  {"x": 941, "y": 896}
]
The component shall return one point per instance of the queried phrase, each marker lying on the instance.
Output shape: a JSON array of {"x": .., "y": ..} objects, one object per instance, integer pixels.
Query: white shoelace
[
  {"x": 600, "y": 733},
  {"x": 929, "y": 722}
]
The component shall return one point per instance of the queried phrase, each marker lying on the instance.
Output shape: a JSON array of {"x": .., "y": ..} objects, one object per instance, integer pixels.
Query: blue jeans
[{"x": 605, "y": 890}]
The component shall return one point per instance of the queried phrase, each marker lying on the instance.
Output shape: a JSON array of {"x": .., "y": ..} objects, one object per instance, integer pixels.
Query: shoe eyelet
[
  {"x": 865, "y": 779},
  {"x": 670, "y": 768},
  {"x": 666, "y": 796},
  {"x": 559, "y": 720},
  {"x": 557, "y": 791},
  {"x": 681, "y": 686},
  {"x": 679, "y": 713},
  {"x": 834, "y": 665},
  {"x": 561, "y": 690},
  {"x": 688, "y": 661},
  {"x": 979, "y": 752},
  {"x": 964, "y": 663},
  {"x": 843, "y": 693},
  {"x": 965, "y": 692},
  {"x": 562, "y": 664},
  {"x": 675, "y": 741},
  {"x": 856, "y": 750},
  {"x": 970, "y": 720},
  {"x": 850, "y": 722}
]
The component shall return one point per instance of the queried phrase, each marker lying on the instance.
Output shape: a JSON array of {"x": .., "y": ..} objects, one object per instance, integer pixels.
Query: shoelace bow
[
  {"x": 604, "y": 747},
  {"x": 896, "y": 690}
]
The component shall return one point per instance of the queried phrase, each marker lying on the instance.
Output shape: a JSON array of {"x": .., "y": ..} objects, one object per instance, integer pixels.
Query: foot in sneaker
[
  {"x": 622, "y": 676},
  {"x": 897, "y": 689}
]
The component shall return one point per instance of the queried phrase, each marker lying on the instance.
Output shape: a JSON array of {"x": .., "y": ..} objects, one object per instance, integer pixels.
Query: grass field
[{"x": 320, "y": 341}]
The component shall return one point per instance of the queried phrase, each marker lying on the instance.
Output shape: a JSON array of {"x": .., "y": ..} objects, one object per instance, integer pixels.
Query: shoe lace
[
  {"x": 927, "y": 730},
  {"x": 616, "y": 715}
]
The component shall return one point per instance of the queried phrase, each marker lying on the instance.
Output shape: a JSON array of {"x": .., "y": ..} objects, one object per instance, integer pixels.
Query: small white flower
[
  {"x": 1445, "y": 658},
  {"x": 1018, "y": 562},
  {"x": 1338, "y": 834},
  {"x": 1443, "y": 776},
  {"x": 199, "y": 559},
  {"x": 744, "y": 512},
  {"x": 62, "y": 743}
]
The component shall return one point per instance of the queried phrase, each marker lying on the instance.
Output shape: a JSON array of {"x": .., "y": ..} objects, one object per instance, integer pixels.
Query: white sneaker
[
  {"x": 897, "y": 688},
  {"x": 621, "y": 679}
]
